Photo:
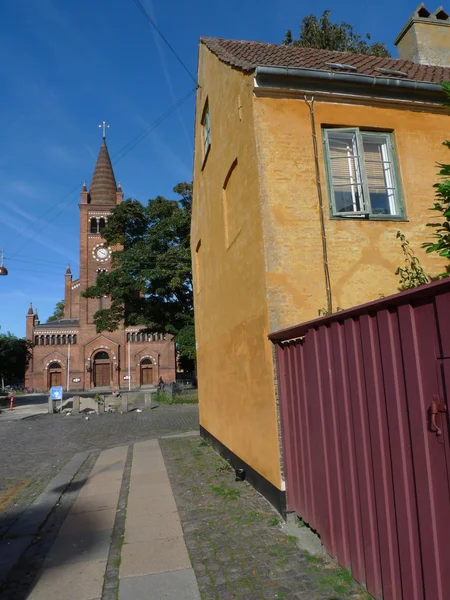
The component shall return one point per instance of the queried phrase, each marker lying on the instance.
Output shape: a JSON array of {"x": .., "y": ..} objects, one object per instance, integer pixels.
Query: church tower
[
  {"x": 95, "y": 207},
  {"x": 70, "y": 352}
]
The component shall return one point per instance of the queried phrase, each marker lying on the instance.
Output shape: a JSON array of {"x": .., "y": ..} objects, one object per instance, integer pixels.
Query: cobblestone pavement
[
  {"x": 33, "y": 450},
  {"x": 234, "y": 538}
]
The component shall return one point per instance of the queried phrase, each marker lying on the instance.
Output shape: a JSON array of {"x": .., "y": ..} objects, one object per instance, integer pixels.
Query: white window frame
[
  {"x": 391, "y": 175},
  {"x": 206, "y": 130}
]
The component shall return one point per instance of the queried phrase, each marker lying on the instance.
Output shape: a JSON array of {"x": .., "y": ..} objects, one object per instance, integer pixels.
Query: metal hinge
[{"x": 435, "y": 408}]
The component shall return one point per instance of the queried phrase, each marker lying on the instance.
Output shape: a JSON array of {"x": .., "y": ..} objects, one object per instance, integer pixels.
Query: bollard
[
  {"x": 76, "y": 404},
  {"x": 11, "y": 402}
]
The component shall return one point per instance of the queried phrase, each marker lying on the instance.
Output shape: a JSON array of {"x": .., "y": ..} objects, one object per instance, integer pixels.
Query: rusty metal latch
[{"x": 435, "y": 408}]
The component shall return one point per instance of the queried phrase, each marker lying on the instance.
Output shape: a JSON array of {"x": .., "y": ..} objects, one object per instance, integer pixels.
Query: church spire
[{"x": 103, "y": 186}]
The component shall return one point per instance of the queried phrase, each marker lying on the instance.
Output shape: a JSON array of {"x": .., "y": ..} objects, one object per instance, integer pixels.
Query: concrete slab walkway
[{"x": 154, "y": 562}]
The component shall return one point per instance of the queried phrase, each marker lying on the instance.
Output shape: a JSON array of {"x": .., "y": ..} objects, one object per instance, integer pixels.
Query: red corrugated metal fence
[{"x": 366, "y": 441}]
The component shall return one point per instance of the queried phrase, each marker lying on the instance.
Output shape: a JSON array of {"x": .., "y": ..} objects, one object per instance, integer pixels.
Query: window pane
[
  {"x": 206, "y": 131},
  {"x": 345, "y": 171},
  {"x": 380, "y": 175}
]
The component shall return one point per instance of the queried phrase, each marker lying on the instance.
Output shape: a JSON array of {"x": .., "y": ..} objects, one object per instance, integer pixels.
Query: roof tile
[{"x": 246, "y": 56}]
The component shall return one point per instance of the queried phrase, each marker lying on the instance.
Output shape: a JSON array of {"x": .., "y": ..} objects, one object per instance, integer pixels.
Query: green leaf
[{"x": 151, "y": 280}]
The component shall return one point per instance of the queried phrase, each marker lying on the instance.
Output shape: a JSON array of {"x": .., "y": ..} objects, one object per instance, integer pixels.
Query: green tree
[
  {"x": 150, "y": 282},
  {"x": 323, "y": 33},
  {"x": 58, "y": 313},
  {"x": 441, "y": 227},
  {"x": 14, "y": 356}
]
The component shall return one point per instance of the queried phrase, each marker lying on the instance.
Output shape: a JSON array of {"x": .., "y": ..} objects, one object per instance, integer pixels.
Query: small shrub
[{"x": 412, "y": 274}]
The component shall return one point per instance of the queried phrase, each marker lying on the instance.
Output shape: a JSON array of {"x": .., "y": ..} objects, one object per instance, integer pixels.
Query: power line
[
  {"x": 121, "y": 154},
  {"x": 33, "y": 223},
  {"x": 165, "y": 40},
  {"x": 40, "y": 261},
  {"x": 135, "y": 141}
]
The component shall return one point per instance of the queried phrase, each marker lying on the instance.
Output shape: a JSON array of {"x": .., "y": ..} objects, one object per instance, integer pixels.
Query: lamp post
[{"x": 3, "y": 269}]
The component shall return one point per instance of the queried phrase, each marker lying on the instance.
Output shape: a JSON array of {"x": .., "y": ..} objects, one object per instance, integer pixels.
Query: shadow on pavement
[
  {"x": 22, "y": 557},
  {"x": 48, "y": 535}
]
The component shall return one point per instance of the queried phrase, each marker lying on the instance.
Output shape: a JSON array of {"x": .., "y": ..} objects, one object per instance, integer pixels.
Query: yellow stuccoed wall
[
  {"x": 363, "y": 255},
  {"x": 234, "y": 356},
  {"x": 270, "y": 273}
]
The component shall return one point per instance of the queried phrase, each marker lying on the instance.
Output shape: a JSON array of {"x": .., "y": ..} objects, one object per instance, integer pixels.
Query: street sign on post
[{"x": 56, "y": 393}]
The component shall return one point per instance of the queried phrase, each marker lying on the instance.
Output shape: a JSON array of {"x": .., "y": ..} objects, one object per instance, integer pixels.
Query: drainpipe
[{"x": 326, "y": 269}]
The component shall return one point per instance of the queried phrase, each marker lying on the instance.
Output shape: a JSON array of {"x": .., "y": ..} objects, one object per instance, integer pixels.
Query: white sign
[
  {"x": 76, "y": 380},
  {"x": 126, "y": 377}
]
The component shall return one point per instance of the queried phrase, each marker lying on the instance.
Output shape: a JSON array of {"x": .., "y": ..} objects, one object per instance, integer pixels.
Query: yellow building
[{"x": 307, "y": 163}]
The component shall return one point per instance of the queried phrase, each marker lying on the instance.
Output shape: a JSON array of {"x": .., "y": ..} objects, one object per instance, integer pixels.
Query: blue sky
[{"x": 66, "y": 66}]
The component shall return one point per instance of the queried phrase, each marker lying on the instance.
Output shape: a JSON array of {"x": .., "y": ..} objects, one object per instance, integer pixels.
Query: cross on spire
[{"x": 104, "y": 127}]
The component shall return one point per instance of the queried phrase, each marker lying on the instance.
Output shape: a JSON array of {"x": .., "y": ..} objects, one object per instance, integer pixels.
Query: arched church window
[
  {"x": 102, "y": 355},
  {"x": 94, "y": 225},
  {"x": 74, "y": 338},
  {"x": 133, "y": 337},
  {"x": 52, "y": 340},
  {"x": 47, "y": 340},
  {"x": 101, "y": 225},
  {"x": 36, "y": 340},
  {"x": 128, "y": 337},
  {"x": 146, "y": 361},
  {"x": 54, "y": 365},
  {"x": 63, "y": 340},
  {"x": 42, "y": 340},
  {"x": 69, "y": 339}
]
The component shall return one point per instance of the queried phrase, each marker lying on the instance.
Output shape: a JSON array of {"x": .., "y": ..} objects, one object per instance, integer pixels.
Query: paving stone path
[
  {"x": 138, "y": 514},
  {"x": 234, "y": 537},
  {"x": 33, "y": 450}
]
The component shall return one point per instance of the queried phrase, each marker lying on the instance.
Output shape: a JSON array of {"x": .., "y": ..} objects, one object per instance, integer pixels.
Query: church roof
[
  {"x": 103, "y": 186},
  {"x": 59, "y": 323}
]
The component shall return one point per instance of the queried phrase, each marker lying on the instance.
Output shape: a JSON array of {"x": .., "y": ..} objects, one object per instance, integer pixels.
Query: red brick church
[{"x": 69, "y": 352}]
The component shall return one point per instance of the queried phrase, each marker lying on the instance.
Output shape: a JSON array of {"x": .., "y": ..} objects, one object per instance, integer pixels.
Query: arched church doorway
[
  {"x": 146, "y": 372},
  {"x": 54, "y": 374},
  {"x": 102, "y": 369}
]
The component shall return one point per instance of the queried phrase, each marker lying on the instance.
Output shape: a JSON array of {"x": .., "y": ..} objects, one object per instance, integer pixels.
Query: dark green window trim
[{"x": 364, "y": 211}]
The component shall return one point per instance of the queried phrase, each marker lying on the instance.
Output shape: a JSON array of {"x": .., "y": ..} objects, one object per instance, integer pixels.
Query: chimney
[{"x": 425, "y": 38}]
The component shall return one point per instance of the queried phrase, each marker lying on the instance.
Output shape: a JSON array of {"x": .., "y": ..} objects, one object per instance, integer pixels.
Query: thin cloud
[
  {"x": 25, "y": 189},
  {"x": 165, "y": 69},
  {"x": 61, "y": 155},
  {"x": 40, "y": 238}
]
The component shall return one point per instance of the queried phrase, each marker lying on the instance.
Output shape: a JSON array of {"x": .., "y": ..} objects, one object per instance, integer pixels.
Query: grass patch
[
  {"x": 186, "y": 397},
  {"x": 274, "y": 521},
  {"x": 313, "y": 559},
  {"x": 222, "y": 465},
  {"x": 340, "y": 581},
  {"x": 203, "y": 443},
  {"x": 291, "y": 539},
  {"x": 225, "y": 492}
]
